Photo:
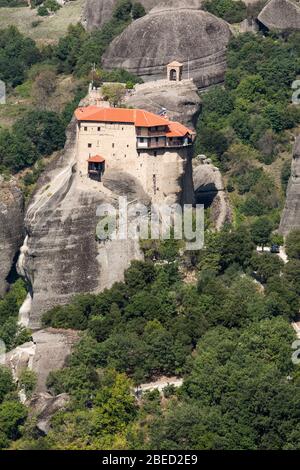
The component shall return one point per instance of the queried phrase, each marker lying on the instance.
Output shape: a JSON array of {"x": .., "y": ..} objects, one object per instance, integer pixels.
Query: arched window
[{"x": 173, "y": 75}]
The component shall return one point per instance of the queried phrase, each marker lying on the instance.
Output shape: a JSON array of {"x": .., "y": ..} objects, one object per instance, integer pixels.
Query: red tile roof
[
  {"x": 138, "y": 117},
  {"x": 177, "y": 130},
  {"x": 96, "y": 159}
]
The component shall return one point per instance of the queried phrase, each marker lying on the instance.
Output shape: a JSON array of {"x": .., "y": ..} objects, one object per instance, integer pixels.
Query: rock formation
[
  {"x": 61, "y": 255},
  {"x": 43, "y": 406},
  {"x": 210, "y": 191},
  {"x": 290, "y": 218},
  {"x": 180, "y": 99},
  {"x": 282, "y": 15},
  {"x": 98, "y": 12},
  {"x": 193, "y": 37},
  {"x": 47, "y": 351},
  {"x": 12, "y": 228}
]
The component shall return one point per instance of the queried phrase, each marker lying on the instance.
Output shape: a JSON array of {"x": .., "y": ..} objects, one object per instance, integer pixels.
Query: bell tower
[{"x": 174, "y": 71}]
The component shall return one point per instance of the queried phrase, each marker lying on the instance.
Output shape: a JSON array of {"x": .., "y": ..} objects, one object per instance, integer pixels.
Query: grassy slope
[{"x": 50, "y": 29}]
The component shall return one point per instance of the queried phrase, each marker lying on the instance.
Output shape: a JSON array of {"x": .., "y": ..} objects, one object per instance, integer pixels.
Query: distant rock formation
[
  {"x": 12, "y": 228},
  {"x": 47, "y": 351},
  {"x": 290, "y": 218},
  {"x": 43, "y": 406},
  {"x": 210, "y": 191},
  {"x": 180, "y": 99},
  {"x": 98, "y": 12},
  {"x": 282, "y": 15},
  {"x": 195, "y": 38}
]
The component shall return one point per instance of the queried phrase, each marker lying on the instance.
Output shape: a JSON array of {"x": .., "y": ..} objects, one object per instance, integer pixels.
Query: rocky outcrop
[
  {"x": 180, "y": 99},
  {"x": 12, "y": 228},
  {"x": 210, "y": 191},
  {"x": 47, "y": 351},
  {"x": 98, "y": 12},
  {"x": 290, "y": 219},
  {"x": 43, "y": 406},
  {"x": 61, "y": 255},
  {"x": 281, "y": 15},
  {"x": 193, "y": 37}
]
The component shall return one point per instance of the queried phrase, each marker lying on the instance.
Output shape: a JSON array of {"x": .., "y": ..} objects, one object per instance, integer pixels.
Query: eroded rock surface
[
  {"x": 194, "y": 37},
  {"x": 11, "y": 228},
  {"x": 290, "y": 219},
  {"x": 43, "y": 406},
  {"x": 210, "y": 191},
  {"x": 62, "y": 256},
  {"x": 282, "y": 15},
  {"x": 180, "y": 99},
  {"x": 98, "y": 12},
  {"x": 47, "y": 351}
]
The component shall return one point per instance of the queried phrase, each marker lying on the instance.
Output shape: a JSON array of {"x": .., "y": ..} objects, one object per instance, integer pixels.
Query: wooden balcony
[
  {"x": 174, "y": 143},
  {"x": 141, "y": 132}
]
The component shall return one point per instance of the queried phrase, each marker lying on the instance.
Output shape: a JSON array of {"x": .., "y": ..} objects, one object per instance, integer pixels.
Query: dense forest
[{"x": 228, "y": 334}]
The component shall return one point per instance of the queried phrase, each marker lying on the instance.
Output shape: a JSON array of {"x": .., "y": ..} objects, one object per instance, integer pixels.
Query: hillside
[
  {"x": 42, "y": 29},
  {"x": 116, "y": 336}
]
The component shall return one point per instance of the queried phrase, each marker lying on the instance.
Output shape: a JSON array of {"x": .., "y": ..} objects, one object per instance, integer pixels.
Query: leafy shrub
[{"x": 229, "y": 10}]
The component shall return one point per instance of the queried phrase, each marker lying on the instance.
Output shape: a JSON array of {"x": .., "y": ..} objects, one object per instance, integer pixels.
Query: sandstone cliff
[
  {"x": 12, "y": 228},
  {"x": 193, "y": 37},
  {"x": 282, "y": 15},
  {"x": 290, "y": 218}
]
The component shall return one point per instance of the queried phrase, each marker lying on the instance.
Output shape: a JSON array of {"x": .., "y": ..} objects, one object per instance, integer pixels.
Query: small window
[
  {"x": 127, "y": 145},
  {"x": 85, "y": 128},
  {"x": 113, "y": 145},
  {"x": 98, "y": 129},
  {"x": 142, "y": 140},
  {"x": 155, "y": 154},
  {"x": 89, "y": 146},
  {"x": 156, "y": 139}
]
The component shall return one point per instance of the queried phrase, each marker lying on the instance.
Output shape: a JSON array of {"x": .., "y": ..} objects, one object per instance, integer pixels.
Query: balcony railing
[
  {"x": 167, "y": 144},
  {"x": 148, "y": 133}
]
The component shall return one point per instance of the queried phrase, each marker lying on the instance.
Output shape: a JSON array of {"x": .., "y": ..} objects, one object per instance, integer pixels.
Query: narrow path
[{"x": 159, "y": 385}]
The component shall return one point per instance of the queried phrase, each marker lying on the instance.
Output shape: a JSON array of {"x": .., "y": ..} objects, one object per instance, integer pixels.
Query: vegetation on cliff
[
  {"x": 245, "y": 125},
  {"x": 229, "y": 337},
  {"x": 228, "y": 333}
]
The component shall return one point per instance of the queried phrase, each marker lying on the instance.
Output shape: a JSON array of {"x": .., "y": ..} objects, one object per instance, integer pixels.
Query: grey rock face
[
  {"x": 193, "y": 37},
  {"x": 180, "y": 99},
  {"x": 290, "y": 219},
  {"x": 43, "y": 406},
  {"x": 48, "y": 351},
  {"x": 280, "y": 15},
  {"x": 11, "y": 228},
  {"x": 98, "y": 12},
  {"x": 209, "y": 188},
  {"x": 61, "y": 255}
]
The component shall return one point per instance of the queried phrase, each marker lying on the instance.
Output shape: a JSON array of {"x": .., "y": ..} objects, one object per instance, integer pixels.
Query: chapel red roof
[{"x": 96, "y": 159}]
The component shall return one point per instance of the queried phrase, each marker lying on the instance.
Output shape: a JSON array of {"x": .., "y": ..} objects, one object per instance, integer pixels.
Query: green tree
[
  {"x": 261, "y": 231},
  {"x": 6, "y": 382},
  {"x": 138, "y": 10},
  {"x": 45, "y": 129},
  {"x": 12, "y": 415},
  {"x": 266, "y": 265},
  {"x": 292, "y": 244}
]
